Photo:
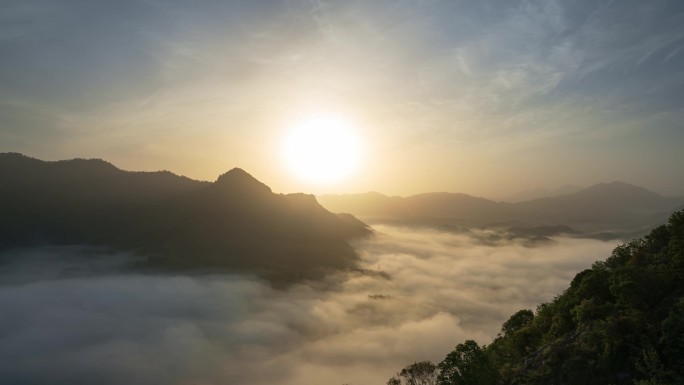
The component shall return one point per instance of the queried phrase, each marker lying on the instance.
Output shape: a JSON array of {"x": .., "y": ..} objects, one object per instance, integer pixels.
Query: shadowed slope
[{"x": 235, "y": 223}]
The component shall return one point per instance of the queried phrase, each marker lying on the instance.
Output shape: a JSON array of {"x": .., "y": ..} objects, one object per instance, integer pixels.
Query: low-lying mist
[{"x": 418, "y": 294}]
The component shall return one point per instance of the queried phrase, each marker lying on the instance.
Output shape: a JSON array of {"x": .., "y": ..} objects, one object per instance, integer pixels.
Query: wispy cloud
[{"x": 456, "y": 80}]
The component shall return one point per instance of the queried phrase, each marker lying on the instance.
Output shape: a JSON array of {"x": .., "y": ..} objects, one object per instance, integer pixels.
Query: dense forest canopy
[{"x": 619, "y": 322}]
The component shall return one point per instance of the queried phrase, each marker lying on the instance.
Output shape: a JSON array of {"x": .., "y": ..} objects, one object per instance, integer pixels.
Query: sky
[
  {"x": 433, "y": 291},
  {"x": 481, "y": 97}
]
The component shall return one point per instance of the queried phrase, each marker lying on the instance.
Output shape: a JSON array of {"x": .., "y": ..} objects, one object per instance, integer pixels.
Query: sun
[{"x": 322, "y": 149}]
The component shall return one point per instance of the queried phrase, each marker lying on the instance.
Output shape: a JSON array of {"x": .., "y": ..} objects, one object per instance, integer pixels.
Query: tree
[
  {"x": 517, "y": 321},
  {"x": 418, "y": 373},
  {"x": 468, "y": 364}
]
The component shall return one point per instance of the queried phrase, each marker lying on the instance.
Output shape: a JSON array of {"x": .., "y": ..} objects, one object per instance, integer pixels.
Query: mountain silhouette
[
  {"x": 604, "y": 207},
  {"x": 611, "y": 209},
  {"x": 539, "y": 192},
  {"x": 236, "y": 223}
]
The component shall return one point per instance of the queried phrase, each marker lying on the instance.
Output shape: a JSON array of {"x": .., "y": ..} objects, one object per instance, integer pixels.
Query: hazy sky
[{"x": 482, "y": 97}]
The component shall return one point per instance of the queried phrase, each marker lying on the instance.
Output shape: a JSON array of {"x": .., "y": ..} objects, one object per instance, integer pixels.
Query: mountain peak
[
  {"x": 235, "y": 172},
  {"x": 238, "y": 179},
  {"x": 617, "y": 187},
  {"x": 234, "y": 223}
]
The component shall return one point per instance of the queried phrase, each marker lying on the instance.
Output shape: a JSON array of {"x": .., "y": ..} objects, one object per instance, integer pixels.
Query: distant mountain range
[
  {"x": 236, "y": 223},
  {"x": 606, "y": 210},
  {"x": 539, "y": 192}
]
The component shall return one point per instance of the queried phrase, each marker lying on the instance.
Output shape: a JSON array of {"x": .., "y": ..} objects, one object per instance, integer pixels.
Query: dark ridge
[
  {"x": 238, "y": 182},
  {"x": 235, "y": 223},
  {"x": 237, "y": 176}
]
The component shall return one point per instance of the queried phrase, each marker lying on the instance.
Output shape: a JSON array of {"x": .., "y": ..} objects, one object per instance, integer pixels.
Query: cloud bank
[{"x": 62, "y": 325}]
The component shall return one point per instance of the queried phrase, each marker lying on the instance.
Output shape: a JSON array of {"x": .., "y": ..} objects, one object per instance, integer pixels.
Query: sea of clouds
[{"x": 72, "y": 315}]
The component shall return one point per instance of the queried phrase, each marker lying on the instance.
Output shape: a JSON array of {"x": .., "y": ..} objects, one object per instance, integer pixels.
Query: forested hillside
[{"x": 619, "y": 322}]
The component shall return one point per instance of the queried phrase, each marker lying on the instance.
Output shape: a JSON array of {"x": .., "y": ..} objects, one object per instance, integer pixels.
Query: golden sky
[{"x": 482, "y": 97}]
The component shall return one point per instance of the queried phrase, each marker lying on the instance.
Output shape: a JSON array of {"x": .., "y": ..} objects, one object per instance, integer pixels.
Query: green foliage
[
  {"x": 517, "y": 321},
  {"x": 672, "y": 339},
  {"x": 620, "y": 322},
  {"x": 418, "y": 373},
  {"x": 651, "y": 367},
  {"x": 468, "y": 364}
]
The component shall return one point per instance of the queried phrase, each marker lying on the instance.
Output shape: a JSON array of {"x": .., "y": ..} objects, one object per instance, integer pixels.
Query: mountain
[
  {"x": 429, "y": 208},
  {"x": 619, "y": 322},
  {"x": 605, "y": 207},
  {"x": 609, "y": 208},
  {"x": 539, "y": 192},
  {"x": 236, "y": 223}
]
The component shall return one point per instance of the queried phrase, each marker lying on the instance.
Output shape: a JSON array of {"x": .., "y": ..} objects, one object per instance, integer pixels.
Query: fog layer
[{"x": 420, "y": 292}]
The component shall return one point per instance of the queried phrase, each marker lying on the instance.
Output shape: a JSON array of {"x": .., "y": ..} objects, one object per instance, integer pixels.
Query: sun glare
[{"x": 322, "y": 149}]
